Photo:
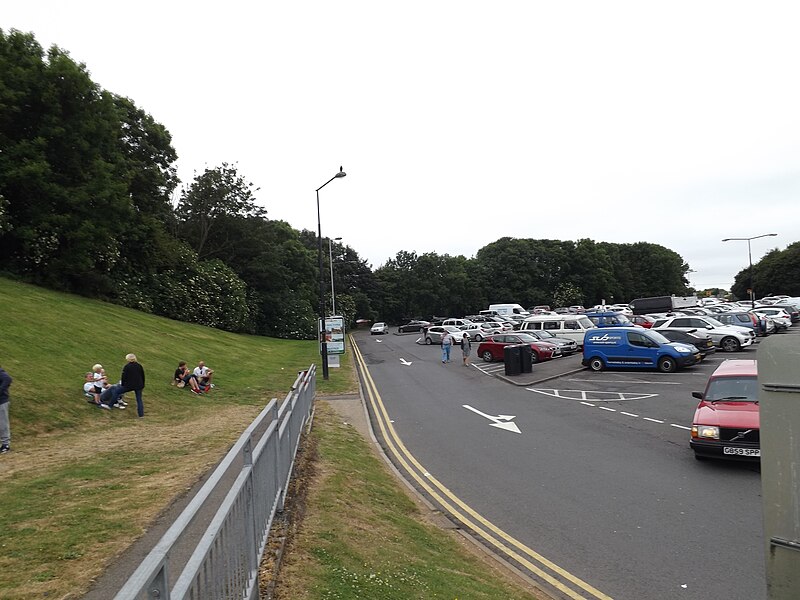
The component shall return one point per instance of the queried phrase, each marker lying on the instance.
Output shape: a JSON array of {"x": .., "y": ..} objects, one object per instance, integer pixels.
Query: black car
[
  {"x": 702, "y": 342},
  {"x": 413, "y": 325}
]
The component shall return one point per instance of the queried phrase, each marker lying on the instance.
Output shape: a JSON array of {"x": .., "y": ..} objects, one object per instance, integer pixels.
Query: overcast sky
[{"x": 459, "y": 123}]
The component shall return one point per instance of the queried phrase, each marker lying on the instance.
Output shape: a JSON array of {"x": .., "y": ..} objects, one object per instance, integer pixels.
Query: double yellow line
[{"x": 506, "y": 545}]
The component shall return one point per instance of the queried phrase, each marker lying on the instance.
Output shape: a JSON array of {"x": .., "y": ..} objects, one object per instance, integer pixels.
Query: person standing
[
  {"x": 132, "y": 380},
  {"x": 447, "y": 344},
  {"x": 466, "y": 348},
  {"x": 5, "y": 427}
]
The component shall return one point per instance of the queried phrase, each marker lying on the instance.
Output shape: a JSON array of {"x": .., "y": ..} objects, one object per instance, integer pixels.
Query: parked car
[
  {"x": 645, "y": 321},
  {"x": 413, "y": 325},
  {"x": 742, "y": 319},
  {"x": 379, "y": 328},
  {"x": 701, "y": 341},
  {"x": 567, "y": 326},
  {"x": 492, "y": 348},
  {"x": 434, "y": 333},
  {"x": 609, "y": 318},
  {"x": 567, "y": 345},
  {"x": 457, "y": 322},
  {"x": 730, "y": 338},
  {"x": 789, "y": 307},
  {"x": 476, "y": 331},
  {"x": 726, "y": 423},
  {"x": 782, "y": 318},
  {"x": 635, "y": 348}
]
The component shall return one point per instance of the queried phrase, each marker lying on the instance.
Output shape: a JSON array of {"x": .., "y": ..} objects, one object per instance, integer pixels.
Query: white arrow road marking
[
  {"x": 404, "y": 362},
  {"x": 379, "y": 341},
  {"x": 500, "y": 421}
]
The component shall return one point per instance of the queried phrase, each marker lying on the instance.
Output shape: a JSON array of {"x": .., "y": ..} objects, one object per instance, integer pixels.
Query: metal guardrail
[{"x": 224, "y": 562}]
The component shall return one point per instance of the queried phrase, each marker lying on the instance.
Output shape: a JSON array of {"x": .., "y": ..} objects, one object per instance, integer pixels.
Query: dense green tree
[{"x": 778, "y": 272}]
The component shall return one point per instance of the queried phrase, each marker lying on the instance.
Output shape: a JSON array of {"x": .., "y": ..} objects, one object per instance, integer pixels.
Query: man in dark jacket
[
  {"x": 5, "y": 428},
  {"x": 132, "y": 380}
]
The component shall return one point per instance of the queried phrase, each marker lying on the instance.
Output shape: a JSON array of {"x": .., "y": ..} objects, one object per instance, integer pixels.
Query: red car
[
  {"x": 726, "y": 422},
  {"x": 642, "y": 321},
  {"x": 492, "y": 347}
]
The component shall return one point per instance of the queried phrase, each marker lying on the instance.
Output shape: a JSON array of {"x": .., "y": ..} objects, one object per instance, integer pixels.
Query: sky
[{"x": 461, "y": 122}]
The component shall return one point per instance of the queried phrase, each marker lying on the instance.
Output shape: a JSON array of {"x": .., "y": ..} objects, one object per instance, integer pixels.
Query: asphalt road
[{"x": 599, "y": 480}]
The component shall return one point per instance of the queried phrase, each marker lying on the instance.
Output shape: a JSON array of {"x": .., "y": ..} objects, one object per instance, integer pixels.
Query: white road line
[
  {"x": 588, "y": 404},
  {"x": 653, "y": 420},
  {"x": 628, "y": 381},
  {"x": 622, "y": 412},
  {"x": 608, "y": 409},
  {"x": 680, "y": 426}
]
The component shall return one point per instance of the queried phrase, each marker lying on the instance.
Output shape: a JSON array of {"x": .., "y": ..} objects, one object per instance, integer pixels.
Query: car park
[
  {"x": 729, "y": 338},
  {"x": 379, "y": 328},
  {"x": 413, "y": 325},
  {"x": 726, "y": 423},
  {"x": 635, "y": 348},
  {"x": 434, "y": 333},
  {"x": 457, "y": 322},
  {"x": 566, "y": 345},
  {"x": 613, "y": 318},
  {"x": 789, "y": 307},
  {"x": 701, "y": 341},
  {"x": 493, "y": 347},
  {"x": 475, "y": 331}
]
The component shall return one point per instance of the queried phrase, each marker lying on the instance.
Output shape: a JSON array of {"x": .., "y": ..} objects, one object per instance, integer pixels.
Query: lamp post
[
  {"x": 322, "y": 333},
  {"x": 330, "y": 260},
  {"x": 750, "y": 259}
]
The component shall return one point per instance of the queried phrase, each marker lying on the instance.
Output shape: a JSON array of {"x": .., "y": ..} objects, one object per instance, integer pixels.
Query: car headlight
[
  {"x": 707, "y": 432},
  {"x": 683, "y": 349}
]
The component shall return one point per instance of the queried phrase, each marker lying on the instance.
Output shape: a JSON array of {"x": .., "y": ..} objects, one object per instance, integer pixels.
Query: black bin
[
  {"x": 512, "y": 360},
  {"x": 526, "y": 359}
]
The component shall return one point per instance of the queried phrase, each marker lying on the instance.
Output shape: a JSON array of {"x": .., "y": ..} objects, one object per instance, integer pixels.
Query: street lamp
[
  {"x": 750, "y": 258},
  {"x": 322, "y": 333},
  {"x": 330, "y": 260}
]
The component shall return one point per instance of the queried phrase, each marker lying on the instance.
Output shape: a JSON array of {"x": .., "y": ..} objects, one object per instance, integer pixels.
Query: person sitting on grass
[
  {"x": 101, "y": 383},
  {"x": 204, "y": 375},
  {"x": 184, "y": 377},
  {"x": 111, "y": 397},
  {"x": 90, "y": 390}
]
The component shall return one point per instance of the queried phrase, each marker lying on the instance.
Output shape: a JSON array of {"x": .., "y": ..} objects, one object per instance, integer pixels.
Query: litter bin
[
  {"x": 526, "y": 359},
  {"x": 512, "y": 360}
]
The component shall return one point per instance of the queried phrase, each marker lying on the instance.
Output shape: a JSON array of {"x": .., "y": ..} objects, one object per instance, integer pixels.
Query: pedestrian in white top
[{"x": 203, "y": 374}]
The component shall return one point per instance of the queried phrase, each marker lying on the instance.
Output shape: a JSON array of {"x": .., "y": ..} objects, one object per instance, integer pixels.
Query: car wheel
[
  {"x": 667, "y": 365},
  {"x": 730, "y": 344},
  {"x": 428, "y": 341},
  {"x": 479, "y": 338},
  {"x": 596, "y": 364},
  {"x": 535, "y": 357},
  {"x": 487, "y": 356}
]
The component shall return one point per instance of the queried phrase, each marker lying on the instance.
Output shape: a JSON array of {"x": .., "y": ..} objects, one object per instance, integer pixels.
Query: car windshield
[
  {"x": 733, "y": 388},
  {"x": 544, "y": 334},
  {"x": 657, "y": 337},
  {"x": 713, "y": 321},
  {"x": 526, "y": 337},
  {"x": 452, "y": 329}
]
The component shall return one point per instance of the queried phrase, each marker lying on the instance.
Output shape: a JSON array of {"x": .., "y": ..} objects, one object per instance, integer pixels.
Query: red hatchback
[
  {"x": 492, "y": 348},
  {"x": 642, "y": 321},
  {"x": 726, "y": 421}
]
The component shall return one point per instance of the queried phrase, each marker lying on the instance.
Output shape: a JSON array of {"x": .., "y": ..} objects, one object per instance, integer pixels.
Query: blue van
[
  {"x": 609, "y": 319},
  {"x": 635, "y": 348}
]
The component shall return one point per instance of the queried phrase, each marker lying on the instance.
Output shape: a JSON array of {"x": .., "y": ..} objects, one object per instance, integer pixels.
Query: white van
[
  {"x": 572, "y": 327},
  {"x": 504, "y": 310}
]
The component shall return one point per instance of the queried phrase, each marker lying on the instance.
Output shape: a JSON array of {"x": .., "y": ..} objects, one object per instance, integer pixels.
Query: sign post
[{"x": 334, "y": 336}]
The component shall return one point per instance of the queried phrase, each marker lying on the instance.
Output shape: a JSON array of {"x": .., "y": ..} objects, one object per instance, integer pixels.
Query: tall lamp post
[
  {"x": 750, "y": 259},
  {"x": 330, "y": 260},
  {"x": 322, "y": 333}
]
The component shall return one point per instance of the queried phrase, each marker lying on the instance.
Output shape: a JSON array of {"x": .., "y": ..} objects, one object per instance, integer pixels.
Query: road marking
[
  {"x": 628, "y": 381},
  {"x": 595, "y": 396},
  {"x": 608, "y": 409},
  {"x": 622, "y": 412},
  {"x": 653, "y": 420},
  {"x": 680, "y": 426},
  {"x": 504, "y": 543},
  {"x": 500, "y": 421},
  {"x": 403, "y": 361},
  {"x": 588, "y": 404}
]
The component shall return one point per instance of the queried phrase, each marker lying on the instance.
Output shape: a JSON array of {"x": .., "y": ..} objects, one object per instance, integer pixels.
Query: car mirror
[{"x": 698, "y": 395}]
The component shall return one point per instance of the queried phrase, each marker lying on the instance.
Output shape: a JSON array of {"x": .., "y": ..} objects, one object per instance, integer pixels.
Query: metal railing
[{"x": 223, "y": 563}]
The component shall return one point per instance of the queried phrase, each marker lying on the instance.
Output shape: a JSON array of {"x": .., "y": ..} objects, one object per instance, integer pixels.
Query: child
[{"x": 90, "y": 390}]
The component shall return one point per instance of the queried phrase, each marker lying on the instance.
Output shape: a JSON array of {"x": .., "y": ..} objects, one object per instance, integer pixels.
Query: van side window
[
  {"x": 638, "y": 340},
  {"x": 571, "y": 325},
  {"x": 555, "y": 325}
]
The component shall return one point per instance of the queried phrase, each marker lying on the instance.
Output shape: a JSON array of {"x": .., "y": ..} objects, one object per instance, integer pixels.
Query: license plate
[{"x": 742, "y": 451}]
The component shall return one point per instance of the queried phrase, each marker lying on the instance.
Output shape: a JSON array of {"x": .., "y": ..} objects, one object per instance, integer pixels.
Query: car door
[{"x": 641, "y": 351}]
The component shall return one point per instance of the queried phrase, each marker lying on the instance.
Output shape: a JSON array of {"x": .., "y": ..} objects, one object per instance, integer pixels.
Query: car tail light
[{"x": 754, "y": 319}]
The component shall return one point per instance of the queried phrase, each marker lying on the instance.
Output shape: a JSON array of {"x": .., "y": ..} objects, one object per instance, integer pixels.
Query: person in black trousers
[
  {"x": 5, "y": 427},
  {"x": 133, "y": 381}
]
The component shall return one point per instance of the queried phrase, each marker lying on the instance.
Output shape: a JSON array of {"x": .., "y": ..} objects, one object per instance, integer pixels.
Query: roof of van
[{"x": 534, "y": 318}]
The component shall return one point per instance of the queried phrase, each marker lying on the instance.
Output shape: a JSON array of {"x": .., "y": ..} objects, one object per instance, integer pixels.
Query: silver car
[
  {"x": 728, "y": 338},
  {"x": 567, "y": 346},
  {"x": 433, "y": 335}
]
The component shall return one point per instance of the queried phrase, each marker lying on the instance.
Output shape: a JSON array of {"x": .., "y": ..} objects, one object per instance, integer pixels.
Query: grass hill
[{"x": 80, "y": 483}]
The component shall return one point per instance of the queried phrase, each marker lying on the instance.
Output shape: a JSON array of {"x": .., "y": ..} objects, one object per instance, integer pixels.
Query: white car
[
  {"x": 783, "y": 319},
  {"x": 728, "y": 338},
  {"x": 379, "y": 328},
  {"x": 476, "y": 331}
]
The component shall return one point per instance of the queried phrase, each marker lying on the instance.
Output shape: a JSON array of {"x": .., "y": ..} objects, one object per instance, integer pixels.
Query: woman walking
[{"x": 466, "y": 348}]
